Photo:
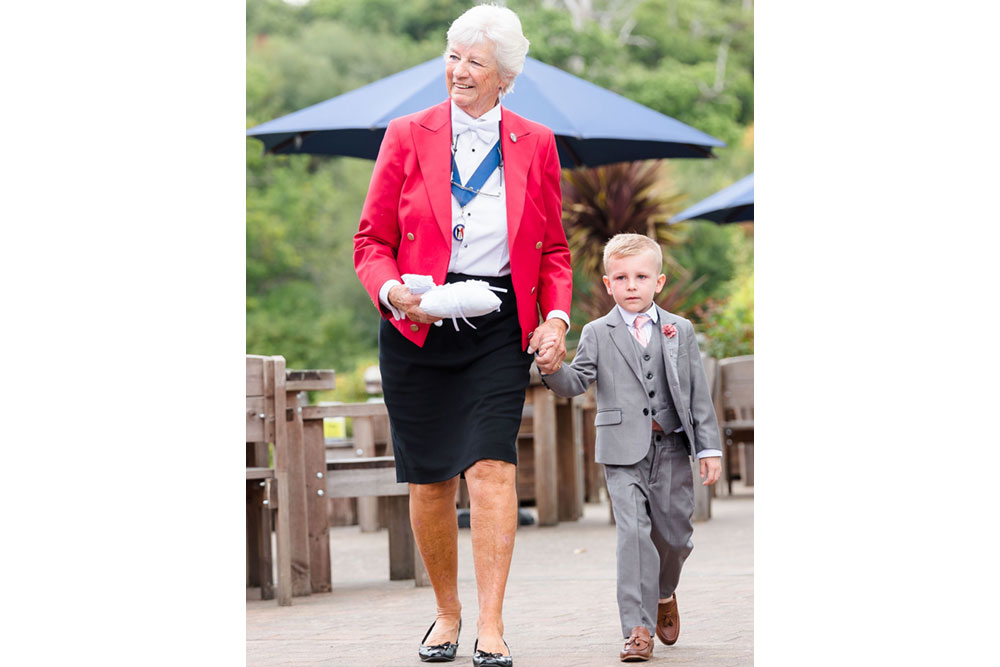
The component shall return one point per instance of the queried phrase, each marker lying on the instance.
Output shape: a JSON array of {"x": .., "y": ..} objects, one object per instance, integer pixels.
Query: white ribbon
[{"x": 468, "y": 298}]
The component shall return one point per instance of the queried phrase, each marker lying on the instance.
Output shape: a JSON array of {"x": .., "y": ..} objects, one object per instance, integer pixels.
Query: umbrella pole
[
  {"x": 297, "y": 140},
  {"x": 577, "y": 162}
]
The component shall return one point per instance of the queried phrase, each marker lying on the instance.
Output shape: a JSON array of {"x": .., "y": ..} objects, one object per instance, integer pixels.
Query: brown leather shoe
[
  {"x": 638, "y": 646},
  {"x": 668, "y": 621}
]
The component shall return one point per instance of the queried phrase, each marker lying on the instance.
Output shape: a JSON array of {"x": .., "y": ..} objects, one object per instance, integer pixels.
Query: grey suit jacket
[{"x": 606, "y": 355}]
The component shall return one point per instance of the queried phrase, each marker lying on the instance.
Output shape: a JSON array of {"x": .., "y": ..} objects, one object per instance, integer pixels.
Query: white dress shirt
[
  {"x": 480, "y": 247},
  {"x": 482, "y": 250},
  {"x": 648, "y": 329}
]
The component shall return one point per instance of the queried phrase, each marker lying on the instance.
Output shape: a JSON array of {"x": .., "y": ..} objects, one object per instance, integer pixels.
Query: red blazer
[{"x": 406, "y": 221}]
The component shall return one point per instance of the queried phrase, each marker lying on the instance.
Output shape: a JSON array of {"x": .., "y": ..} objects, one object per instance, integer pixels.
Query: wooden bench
[
  {"x": 267, "y": 486},
  {"x": 274, "y": 418},
  {"x": 310, "y": 532},
  {"x": 365, "y": 477},
  {"x": 344, "y": 511},
  {"x": 734, "y": 406}
]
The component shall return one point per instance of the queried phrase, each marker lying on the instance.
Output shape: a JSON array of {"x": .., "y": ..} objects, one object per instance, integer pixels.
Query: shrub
[{"x": 728, "y": 325}]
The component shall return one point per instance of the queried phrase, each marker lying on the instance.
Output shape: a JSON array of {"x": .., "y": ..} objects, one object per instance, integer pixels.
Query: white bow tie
[{"x": 485, "y": 130}]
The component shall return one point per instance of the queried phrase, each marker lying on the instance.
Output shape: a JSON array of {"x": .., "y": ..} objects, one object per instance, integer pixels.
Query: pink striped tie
[{"x": 638, "y": 331}]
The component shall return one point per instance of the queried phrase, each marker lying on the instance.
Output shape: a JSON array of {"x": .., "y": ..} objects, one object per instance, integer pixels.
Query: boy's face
[{"x": 633, "y": 281}]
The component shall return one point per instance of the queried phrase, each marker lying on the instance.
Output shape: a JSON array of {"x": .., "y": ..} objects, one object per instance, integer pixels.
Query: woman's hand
[
  {"x": 549, "y": 339},
  {"x": 402, "y": 298},
  {"x": 546, "y": 361}
]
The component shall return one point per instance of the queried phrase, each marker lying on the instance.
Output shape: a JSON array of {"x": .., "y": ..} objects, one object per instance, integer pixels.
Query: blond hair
[{"x": 626, "y": 245}]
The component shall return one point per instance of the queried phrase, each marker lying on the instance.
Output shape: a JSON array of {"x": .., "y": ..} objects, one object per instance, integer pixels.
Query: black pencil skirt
[{"x": 458, "y": 399}]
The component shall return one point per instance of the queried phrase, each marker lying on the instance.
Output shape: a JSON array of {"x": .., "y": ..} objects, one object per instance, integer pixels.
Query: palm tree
[{"x": 628, "y": 197}]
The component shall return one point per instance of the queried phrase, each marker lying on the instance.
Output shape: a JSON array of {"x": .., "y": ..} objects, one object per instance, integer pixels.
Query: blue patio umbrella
[
  {"x": 730, "y": 204},
  {"x": 593, "y": 126}
]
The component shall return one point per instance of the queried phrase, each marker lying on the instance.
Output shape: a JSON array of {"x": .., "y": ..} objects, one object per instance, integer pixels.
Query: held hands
[
  {"x": 402, "y": 298},
  {"x": 711, "y": 468},
  {"x": 549, "y": 339},
  {"x": 549, "y": 359}
]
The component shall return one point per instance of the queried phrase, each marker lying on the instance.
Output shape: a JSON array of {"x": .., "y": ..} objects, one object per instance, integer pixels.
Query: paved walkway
[{"x": 560, "y": 608}]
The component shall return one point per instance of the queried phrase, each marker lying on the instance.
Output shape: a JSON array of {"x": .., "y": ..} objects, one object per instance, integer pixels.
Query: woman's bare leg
[
  {"x": 435, "y": 528},
  {"x": 493, "y": 509}
]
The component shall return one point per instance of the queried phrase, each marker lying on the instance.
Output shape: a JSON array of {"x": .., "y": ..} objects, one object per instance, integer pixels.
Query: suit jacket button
[
  {"x": 414, "y": 327},
  {"x": 538, "y": 246},
  {"x": 649, "y": 376},
  {"x": 651, "y": 394},
  {"x": 646, "y": 357},
  {"x": 645, "y": 411},
  {"x": 654, "y": 412},
  {"x": 409, "y": 235}
]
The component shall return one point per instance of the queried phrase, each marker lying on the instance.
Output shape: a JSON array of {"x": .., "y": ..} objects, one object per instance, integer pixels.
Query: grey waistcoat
[{"x": 654, "y": 380}]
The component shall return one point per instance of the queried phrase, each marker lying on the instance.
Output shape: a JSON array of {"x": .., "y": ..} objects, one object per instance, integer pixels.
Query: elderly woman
[{"x": 463, "y": 190}]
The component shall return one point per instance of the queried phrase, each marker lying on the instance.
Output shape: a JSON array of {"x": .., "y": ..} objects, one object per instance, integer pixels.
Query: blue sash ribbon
[{"x": 465, "y": 193}]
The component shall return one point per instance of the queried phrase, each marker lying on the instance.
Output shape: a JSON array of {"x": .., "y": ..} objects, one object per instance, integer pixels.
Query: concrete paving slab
[{"x": 560, "y": 608}]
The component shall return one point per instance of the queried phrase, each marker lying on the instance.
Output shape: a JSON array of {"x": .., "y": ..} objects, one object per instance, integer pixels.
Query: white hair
[{"x": 502, "y": 27}]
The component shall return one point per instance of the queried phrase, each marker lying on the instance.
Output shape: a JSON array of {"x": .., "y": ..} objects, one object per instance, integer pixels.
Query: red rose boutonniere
[{"x": 669, "y": 330}]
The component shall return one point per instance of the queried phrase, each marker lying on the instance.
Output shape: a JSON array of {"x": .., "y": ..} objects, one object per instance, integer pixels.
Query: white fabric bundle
[
  {"x": 417, "y": 284},
  {"x": 469, "y": 298}
]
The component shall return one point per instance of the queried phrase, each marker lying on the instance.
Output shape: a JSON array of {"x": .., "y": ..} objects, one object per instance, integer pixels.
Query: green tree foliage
[
  {"x": 690, "y": 59},
  {"x": 417, "y": 19},
  {"x": 705, "y": 249},
  {"x": 728, "y": 324}
]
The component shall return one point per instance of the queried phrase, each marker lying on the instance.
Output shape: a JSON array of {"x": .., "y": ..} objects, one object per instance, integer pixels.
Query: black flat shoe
[
  {"x": 484, "y": 659},
  {"x": 439, "y": 652}
]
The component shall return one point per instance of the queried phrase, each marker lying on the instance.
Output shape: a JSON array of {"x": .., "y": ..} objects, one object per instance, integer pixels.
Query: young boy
[{"x": 653, "y": 412}]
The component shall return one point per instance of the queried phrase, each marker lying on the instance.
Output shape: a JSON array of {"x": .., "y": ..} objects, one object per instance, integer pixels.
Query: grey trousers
[{"x": 653, "y": 501}]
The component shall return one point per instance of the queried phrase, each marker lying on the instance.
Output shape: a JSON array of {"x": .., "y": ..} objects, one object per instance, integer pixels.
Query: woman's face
[{"x": 472, "y": 77}]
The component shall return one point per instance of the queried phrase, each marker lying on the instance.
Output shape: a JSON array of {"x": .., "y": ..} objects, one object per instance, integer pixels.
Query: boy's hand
[{"x": 711, "y": 468}]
